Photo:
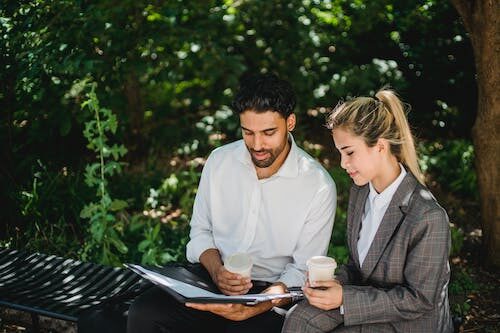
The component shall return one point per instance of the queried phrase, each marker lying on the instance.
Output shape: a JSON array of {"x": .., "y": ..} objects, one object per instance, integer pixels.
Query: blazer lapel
[
  {"x": 391, "y": 221},
  {"x": 359, "y": 208}
]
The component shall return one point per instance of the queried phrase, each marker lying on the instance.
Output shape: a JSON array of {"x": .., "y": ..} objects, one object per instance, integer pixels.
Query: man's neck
[{"x": 263, "y": 173}]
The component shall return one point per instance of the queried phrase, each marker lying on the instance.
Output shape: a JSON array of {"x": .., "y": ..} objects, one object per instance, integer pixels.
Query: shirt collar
[
  {"x": 386, "y": 195},
  {"x": 289, "y": 168}
]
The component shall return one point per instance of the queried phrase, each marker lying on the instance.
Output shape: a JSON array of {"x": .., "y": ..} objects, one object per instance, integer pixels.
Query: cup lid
[
  {"x": 238, "y": 260},
  {"x": 321, "y": 261}
]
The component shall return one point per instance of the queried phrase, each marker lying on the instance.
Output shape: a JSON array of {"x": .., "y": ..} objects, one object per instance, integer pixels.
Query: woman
[{"x": 396, "y": 279}]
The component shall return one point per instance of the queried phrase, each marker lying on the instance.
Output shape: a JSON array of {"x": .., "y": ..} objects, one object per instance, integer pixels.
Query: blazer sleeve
[{"x": 426, "y": 260}]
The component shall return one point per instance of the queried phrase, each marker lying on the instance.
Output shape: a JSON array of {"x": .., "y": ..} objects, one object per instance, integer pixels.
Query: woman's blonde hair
[{"x": 382, "y": 116}]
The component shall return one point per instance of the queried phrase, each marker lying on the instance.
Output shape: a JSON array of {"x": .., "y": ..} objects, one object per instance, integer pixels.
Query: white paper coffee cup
[
  {"x": 239, "y": 263},
  {"x": 321, "y": 268}
]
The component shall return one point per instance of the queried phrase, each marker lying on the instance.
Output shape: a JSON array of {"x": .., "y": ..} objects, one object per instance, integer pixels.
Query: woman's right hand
[{"x": 325, "y": 295}]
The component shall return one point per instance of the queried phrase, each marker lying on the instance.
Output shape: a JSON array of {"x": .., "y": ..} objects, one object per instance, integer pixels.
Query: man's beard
[
  {"x": 263, "y": 163},
  {"x": 273, "y": 155}
]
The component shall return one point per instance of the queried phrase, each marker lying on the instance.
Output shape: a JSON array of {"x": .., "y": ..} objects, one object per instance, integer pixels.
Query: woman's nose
[{"x": 343, "y": 162}]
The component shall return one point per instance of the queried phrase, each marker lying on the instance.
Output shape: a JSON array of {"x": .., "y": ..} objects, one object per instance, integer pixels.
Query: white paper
[{"x": 179, "y": 287}]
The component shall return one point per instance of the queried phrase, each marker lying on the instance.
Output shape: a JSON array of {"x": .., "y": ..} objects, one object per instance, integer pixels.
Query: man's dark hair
[{"x": 264, "y": 92}]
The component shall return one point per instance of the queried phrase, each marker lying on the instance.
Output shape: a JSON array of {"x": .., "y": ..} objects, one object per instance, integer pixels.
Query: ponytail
[
  {"x": 407, "y": 154},
  {"x": 382, "y": 116}
]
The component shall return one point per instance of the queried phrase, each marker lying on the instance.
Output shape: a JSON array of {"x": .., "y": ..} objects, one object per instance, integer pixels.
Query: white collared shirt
[
  {"x": 375, "y": 206},
  {"x": 281, "y": 221}
]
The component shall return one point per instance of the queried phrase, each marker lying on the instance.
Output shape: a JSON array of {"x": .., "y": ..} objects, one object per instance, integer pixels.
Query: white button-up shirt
[
  {"x": 375, "y": 206},
  {"x": 281, "y": 221}
]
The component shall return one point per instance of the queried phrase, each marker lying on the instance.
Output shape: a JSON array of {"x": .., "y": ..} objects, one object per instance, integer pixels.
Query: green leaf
[
  {"x": 87, "y": 211},
  {"x": 119, "y": 245},
  {"x": 118, "y": 205},
  {"x": 97, "y": 230},
  {"x": 156, "y": 230},
  {"x": 143, "y": 245}
]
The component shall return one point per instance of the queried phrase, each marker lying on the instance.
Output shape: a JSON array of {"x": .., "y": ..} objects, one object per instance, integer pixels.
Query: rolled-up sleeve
[{"x": 315, "y": 235}]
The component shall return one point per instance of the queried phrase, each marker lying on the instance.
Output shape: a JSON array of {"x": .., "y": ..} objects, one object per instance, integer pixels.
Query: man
[{"x": 263, "y": 196}]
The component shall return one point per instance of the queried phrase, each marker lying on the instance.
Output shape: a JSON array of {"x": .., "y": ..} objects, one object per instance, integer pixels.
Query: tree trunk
[{"x": 481, "y": 20}]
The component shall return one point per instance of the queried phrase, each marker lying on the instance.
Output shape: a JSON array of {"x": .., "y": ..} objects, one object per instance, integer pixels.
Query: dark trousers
[
  {"x": 157, "y": 311},
  {"x": 108, "y": 319}
]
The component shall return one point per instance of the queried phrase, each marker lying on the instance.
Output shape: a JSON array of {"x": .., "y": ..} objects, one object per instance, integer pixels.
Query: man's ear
[{"x": 290, "y": 122}]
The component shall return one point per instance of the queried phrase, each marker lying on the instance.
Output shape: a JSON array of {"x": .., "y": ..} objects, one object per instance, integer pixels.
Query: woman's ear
[
  {"x": 290, "y": 122},
  {"x": 383, "y": 146}
]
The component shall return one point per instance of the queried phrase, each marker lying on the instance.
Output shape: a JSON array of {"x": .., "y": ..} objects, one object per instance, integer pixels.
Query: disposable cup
[
  {"x": 321, "y": 268},
  {"x": 239, "y": 263}
]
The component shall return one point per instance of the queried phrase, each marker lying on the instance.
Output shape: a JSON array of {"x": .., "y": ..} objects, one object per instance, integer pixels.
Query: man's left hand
[{"x": 238, "y": 312}]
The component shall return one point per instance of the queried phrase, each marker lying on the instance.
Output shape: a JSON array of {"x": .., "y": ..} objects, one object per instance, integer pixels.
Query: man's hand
[
  {"x": 236, "y": 312},
  {"x": 240, "y": 312},
  {"x": 327, "y": 298},
  {"x": 231, "y": 283},
  {"x": 278, "y": 288},
  {"x": 228, "y": 283}
]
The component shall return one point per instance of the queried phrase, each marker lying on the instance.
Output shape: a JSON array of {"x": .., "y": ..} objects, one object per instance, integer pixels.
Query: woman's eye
[{"x": 350, "y": 153}]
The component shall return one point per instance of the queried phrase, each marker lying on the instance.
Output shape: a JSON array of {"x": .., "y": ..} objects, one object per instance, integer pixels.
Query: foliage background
[{"x": 167, "y": 72}]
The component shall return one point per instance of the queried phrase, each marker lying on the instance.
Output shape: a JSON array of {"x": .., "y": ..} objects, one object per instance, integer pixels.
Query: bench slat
[{"x": 60, "y": 288}]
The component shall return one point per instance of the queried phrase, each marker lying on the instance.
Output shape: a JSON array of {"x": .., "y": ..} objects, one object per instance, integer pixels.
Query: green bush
[
  {"x": 49, "y": 206},
  {"x": 165, "y": 219},
  {"x": 457, "y": 240},
  {"x": 451, "y": 164},
  {"x": 461, "y": 286}
]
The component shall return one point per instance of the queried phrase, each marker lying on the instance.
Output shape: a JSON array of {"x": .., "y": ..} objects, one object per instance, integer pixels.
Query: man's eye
[{"x": 269, "y": 133}]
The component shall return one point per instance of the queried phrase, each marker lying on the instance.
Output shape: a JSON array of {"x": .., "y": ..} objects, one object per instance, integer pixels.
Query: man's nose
[{"x": 257, "y": 143}]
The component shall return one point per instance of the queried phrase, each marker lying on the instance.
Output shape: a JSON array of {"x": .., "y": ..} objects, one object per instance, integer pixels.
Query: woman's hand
[{"x": 329, "y": 297}]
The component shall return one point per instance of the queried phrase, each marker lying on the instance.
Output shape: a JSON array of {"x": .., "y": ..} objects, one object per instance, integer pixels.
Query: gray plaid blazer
[{"x": 403, "y": 283}]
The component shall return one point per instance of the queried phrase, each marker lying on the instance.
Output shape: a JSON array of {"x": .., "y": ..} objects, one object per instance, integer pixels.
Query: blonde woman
[{"x": 397, "y": 276}]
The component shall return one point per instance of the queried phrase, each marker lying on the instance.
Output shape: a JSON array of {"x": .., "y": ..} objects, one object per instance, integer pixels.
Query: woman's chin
[{"x": 360, "y": 181}]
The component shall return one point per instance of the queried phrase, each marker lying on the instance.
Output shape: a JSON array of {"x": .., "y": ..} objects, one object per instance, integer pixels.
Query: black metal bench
[{"x": 61, "y": 288}]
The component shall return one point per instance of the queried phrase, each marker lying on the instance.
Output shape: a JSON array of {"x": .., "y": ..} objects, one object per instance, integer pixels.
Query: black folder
[{"x": 187, "y": 287}]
